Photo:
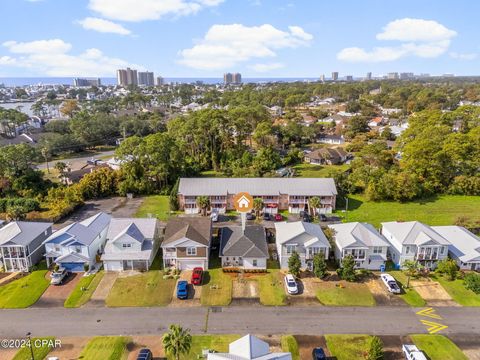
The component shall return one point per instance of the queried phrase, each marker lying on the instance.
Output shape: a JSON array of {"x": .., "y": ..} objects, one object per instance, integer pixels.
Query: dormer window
[{"x": 126, "y": 246}]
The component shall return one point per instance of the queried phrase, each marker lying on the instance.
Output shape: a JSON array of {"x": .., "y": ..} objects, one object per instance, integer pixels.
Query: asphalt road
[
  {"x": 313, "y": 320},
  {"x": 78, "y": 160}
]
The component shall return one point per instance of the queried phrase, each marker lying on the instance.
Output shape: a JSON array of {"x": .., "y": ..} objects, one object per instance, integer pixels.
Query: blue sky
[{"x": 259, "y": 38}]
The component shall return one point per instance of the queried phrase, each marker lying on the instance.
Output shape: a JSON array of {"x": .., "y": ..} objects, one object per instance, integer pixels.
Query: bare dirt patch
[
  {"x": 71, "y": 348},
  {"x": 469, "y": 344},
  {"x": 274, "y": 341},
  {"x": 433, "y": 293},
  {"x": 154, "y": 343},
  {"x": 55, "y": 295},
  {"x": 102, "y": 290},
  {"x": 381, "y": 294},
  {"x": 307, "y": 343},
  {"x": 392, "y": 347}
]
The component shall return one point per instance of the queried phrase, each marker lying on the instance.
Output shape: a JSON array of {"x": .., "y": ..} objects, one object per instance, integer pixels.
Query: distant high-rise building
[
  {"x": 78, "y": 82},
  {"x": 159, "y": 81},
  {"x": 127, "y": 77},
  {"x": 335, "y": 75},
  {"x": 228, "y": 78},
  {"x": 392, "y": 76},
  {"x": 322, "y": 78},
  {"x": 349, "y": 78},
  {"x": 369, "y": 76},
  {"x": 406, "y": 75},
  {"x": 237, "y": 78},
  {"x": 145, "y": 78}
]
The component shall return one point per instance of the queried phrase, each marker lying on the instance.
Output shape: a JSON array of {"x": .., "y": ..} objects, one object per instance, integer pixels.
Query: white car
[
  {"x": 57, "y": 277},
  {"x": 390, "y": 283},
  {"x": 291, "y": 284},
  {"x": 214, "y": 215},
  {"x": 411, "y": 352}
]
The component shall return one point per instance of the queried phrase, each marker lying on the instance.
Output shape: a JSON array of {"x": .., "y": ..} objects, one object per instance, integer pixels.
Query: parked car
[
  {"x": 278, "y": 217},
  {"x": 306, "y": 218},
  {"x": 145, "y": 354},
  {"x": 266, "y": 216},
  {"x": 291, "y": 284},
  {"x": 318, "y": 354},
  {"x": 390, "y": 283},
  {"x": 59, "y": 276},
  {"x": 214, "y": 215},
  {"x": 182, "y": 289},
  {"x": 250, "y": 216},
  {"x": 322, "y": 217},
  {"x": 411, "y": 352},
  {"x": 197, "y": 276}
]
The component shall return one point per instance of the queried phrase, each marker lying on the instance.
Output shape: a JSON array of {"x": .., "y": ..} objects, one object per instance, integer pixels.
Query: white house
[
  {"x": 249, "y": 347},
  {"x": 306, "y": 239},
  {"x": 415, "y": 241},
  {"x": 131, "y": 244},
  {"x": 79, "y": 243},
  {"x": 464, "y": 246},
  {"x": 363, "y": 242}
]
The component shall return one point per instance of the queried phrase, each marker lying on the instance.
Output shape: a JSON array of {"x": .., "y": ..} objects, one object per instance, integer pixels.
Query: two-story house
[
  {"x": 306, "y": 239},
  {"x": 415, "y": 241},
  {"x": 186, "y": 243},
  {"x": 21, "y": 244},
  {"x": 244, "y": 248},
  {"x": 360, "y": 240},
  {"x": 78, "y": 244},
  {"x": 131, "y": 244}
]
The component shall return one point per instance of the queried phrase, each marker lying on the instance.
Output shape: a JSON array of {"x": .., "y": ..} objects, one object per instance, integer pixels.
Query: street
[{"x": 76, "y": 162}]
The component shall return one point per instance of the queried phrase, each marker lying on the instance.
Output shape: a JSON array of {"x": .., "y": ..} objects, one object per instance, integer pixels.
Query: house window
[
  {"x": 78, "y": 249},
  {"x": 46, "y": 232},
  {"x": 192, "y": 251},
  {"x": 407, "y": 249},
  {"x": 254, "y": 262},
  {"x": 126, "y": 246},
  {"x": 291, "y": 249},
  {"x": 377, "y": 249},
  {"x": 57, "y": 247},
  {"x": 442, "y": 250}
]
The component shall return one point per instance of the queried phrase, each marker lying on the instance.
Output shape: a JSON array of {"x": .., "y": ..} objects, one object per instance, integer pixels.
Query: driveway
[
  {"x": 306, "y": 343},
  {"x": 307, "y": 288},
  {"x": 469, "y": 344},
  {"x": 56, "y": 295},
  {"x": 381, "y": 295},
  {"x": 433, "y": 293},
  {"x": 102, "y": 290},
  {"x": 194, "y": 292}
]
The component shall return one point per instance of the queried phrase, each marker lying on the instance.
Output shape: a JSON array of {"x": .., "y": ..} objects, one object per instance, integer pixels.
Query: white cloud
[
  {"x": 53, "y": 58},
  {"x": 418, "y": 37},
  {"x": 266, "y": 67},
  {"x": 225, "y": 46},
  {"x": 103, "y": 26},
  {"x": 465, "y": 56},
  {"x": 140, "y": 10}
]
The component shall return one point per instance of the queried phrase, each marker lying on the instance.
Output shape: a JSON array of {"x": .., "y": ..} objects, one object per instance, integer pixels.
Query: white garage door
[{"x": 190, "y": 265}]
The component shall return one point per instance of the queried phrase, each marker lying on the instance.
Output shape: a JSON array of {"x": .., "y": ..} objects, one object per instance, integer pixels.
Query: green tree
[
  {"x": 411, "y": 268},
  {"x": 177, "y": 341},
  {"x": 16, "y": 212},
  {"x": 266, "y": 160},
  {"x": 375, "y": 352},
  {"x": 173, "y": 198},
  {"x": 448, "y": 267},
  {"x": 203, "y": 202},
  {"x": 294, "y": 264},
  {"x": 314, "y": 204},
  {"x": 61, "y": 167},
  {"x": 472, "y": 282},
  {"x": 258, "y": 206},
  {"x": 319, "y": 265},
  {"x": 347, "y": 270}
]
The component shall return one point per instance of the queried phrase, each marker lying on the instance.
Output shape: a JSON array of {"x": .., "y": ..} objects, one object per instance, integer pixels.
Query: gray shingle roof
[
  {"x": 257, "y": 186},
  {"x": 198, "y": 229},
  {"x": 251, "y": 243},
  {"x": 22, "y": 232}
]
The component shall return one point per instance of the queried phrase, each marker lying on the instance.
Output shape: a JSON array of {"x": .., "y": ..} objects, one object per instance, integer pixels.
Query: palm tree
[
  {"x": 177, "y": 341},
  {"x": 203, "y": 202},
  {"x": 258, "y": 206},
  {"x": 411, "y": 269},
  {"x": 314, "y": 203}
]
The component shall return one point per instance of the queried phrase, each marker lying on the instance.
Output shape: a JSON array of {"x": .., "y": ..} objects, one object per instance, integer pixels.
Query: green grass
[
  {"x": 348, "y": 347},
  {"x": 352, "y": 294},
  {"x": 217, "y": 288},
  {"x": 24, "y": 292},
  {"x": 410, "y": 295},
  {"x": 39, "y": 352},
  {"x": 317, "y": 171},
  {"x": 211, "y": 173},
  {"x": 106, "y": 348},
  {"x": 270, "y": 287},
  {"x": 438, "y": 347},
  {"x": 156, "y": 205},
  {"x": 147, "y": 289},
  {"x": 443, "y": 210},
  {"x": 289, "y": 344},
  {"x": 218, "y": 343},
  {"x": 79, "y": 297},
  {"x": 456, "y": 289}
]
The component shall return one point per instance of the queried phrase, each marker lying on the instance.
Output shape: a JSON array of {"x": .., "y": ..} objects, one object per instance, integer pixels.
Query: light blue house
[{"x": 78, "y": 244}]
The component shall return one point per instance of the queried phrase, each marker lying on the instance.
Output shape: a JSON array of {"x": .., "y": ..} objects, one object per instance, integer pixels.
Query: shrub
[
  {"x": 448, "y": 267},
  {"x": 375, "y": 352},
  {"x": 347, "y": 270},
  {"x": 472, "y": 282},
  {"x": 294, "y": 264}
]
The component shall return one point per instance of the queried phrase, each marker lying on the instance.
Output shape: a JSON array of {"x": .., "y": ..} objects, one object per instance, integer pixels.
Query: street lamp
[{"x": 29, "y": 337}]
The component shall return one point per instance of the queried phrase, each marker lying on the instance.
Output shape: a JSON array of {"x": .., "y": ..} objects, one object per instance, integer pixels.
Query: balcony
[
  {"x": 423, "y": 256},
  {"x": 297, "y": 201},
  {"x": 169, "y": 254},
  {"x": 191, "y": 201}
]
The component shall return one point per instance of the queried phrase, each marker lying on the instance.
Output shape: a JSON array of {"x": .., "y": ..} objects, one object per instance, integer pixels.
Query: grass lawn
[
  {"x": 438, "y": 347},
  {"x": 24, "y": 292},
  {"x": 410, "y": 295},
  {"x": 348, "y": 347},
  {"x": 270, "y": 287},
  {"x": 147, "y": 289},
  {"x": 106, "y": 348},
  {"x": 289, "y": 344},
  {"x": 218, "y": 343},
  {"x": 217, "y": 288},
  {"x": 83, "y": 291},
  {"x": 39, "y": 352},
  {"x": 317, "y": 171},
  {"x": 456, "y": 289},
  {"x": 157, "y": 205},
  {"x": 352, "y": 294},
  {"x": 443, "y": 210}
]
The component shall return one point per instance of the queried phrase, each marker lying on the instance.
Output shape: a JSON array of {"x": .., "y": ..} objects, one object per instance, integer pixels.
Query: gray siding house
[{"x": 21, "y": 244}]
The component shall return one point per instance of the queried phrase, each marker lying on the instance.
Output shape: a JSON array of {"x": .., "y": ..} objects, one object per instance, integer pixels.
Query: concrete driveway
[
  {"x": 55, "y": 295},
  {"x": 194, "y": 292},
  {"x": 102, "y": 290}
]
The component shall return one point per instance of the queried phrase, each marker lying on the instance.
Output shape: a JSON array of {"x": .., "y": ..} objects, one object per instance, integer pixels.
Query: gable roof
[
  {"x": 463, "y": 244},
  {"x": 257, "y": 186},
  {"x": 327, "y": 154},
  {"x": 413, "y": 233},
  {"x": 82, "y": 233},
  {"x": 198, "y": 229},
  {"x": 357, "y": 234},
  {"x": 249, "y": 243},
  {"x": 312, "y": 233},
  {"x": 22, "y": 232},
  {"x": 137, "y": 229}
]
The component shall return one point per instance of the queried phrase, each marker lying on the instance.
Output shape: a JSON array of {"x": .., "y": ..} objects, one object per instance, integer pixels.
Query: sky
[{"x": 258, "y": 38}]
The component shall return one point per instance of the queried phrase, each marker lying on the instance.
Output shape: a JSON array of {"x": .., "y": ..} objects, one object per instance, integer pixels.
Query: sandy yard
[
  {"x": 243, "y": 288},
  {"x": 381, "y": 294},
  {"x": 433, "y": 293},
  {"x": 154, "y": 343},
  {"x": 307, "y": 343}
]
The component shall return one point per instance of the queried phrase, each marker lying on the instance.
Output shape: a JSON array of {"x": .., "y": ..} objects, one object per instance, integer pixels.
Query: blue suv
[{"x": 182, "y": 289}]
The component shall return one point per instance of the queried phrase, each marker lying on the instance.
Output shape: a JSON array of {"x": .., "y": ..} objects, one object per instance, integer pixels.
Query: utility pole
[
  {"x": 346, "y": 208},
  {"x": 29, "y": 337}
]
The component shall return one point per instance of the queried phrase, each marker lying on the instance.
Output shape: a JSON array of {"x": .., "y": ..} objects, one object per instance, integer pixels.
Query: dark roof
[
  {"x": 327, "y": 153},
  {"x": 198, "y": 229},
  {"x": 251, "y": 243}
]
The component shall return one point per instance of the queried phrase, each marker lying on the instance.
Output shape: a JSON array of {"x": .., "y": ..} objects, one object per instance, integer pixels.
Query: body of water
[{"x": 25, "y": 107}]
